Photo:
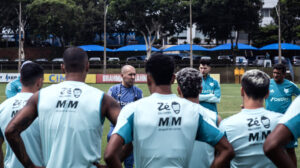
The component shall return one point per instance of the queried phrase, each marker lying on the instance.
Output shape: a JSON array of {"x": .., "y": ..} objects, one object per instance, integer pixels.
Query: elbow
[
  {"x": 230, "y": 152},
  {"x": 108, "y": 157},
  {"x": 269, "y": 147},
  {"x": 10, "y": 132}
]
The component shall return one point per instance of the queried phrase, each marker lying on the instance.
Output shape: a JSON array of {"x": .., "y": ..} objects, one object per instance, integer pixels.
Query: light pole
[
  {"x": 279, "y": 32},
  {"x": 104, "y": 36},
  {"x": 191, "y": 36}
]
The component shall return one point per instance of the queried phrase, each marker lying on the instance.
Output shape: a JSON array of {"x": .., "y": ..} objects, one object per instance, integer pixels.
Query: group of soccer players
[{"x": 60, "y": 126}]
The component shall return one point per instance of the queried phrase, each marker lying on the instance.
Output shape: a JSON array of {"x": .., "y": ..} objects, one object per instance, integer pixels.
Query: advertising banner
[
  {"x": 56, "y": 78},
  {"x": 116, "y": 78},
  {"x": 7, "y": 77}
]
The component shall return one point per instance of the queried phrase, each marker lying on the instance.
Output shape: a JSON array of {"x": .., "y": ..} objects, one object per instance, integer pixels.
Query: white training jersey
[
  {"x": 70, "y": 124},
  {"x": 163, "y": 129},
  {"x": 203, "y": 154},
  {"x": 30, "y": 137},
  {"x": 291, "y": 118},
  {"x": 247, "y": 132}
]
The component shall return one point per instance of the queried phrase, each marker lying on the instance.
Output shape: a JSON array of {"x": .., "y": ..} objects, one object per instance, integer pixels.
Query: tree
[
  {"x": 60, "y": 18},
  {"x": 265, "y": 35},
  {"x": 219, "y": 18},
  {"x": 289, "y": 14},
  {"x": 151, "y": 17}
]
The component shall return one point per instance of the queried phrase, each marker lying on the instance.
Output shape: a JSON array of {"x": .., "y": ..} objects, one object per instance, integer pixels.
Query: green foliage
[
  {"x": 265, "y": 35},
  {"x": 196, "y": 40},
  {"x": 173, "y": 40},
  {"x": 289, "y": 16},
  {"x": 218, "y": 18}
]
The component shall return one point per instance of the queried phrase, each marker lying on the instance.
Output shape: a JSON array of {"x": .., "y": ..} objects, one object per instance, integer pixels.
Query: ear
[
  {"x": 179, "y": 91},
  {"x": 173, "y": 79},
  {"x": 62, "y": 67},
  {"x": 200, "y": 91},
  {"x": 39, "y": 83},
  {"x": 242, "y": 92},
  {"x": 87, "y": 67},
  {"x": 267, "y": 95}
]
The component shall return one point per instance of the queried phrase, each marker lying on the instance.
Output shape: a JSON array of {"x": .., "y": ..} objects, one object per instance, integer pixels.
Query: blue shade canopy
[
  {"x": 240, "y": 46},
  {"x": 94, "y": 48},
  {"x": 135, "y": 48},
  {"x": 284, "y": 46},
  {"x": 185, "y": 47}
]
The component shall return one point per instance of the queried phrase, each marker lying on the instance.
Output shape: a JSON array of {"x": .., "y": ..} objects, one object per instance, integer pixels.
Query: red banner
[{"x": 116, "y": 78}]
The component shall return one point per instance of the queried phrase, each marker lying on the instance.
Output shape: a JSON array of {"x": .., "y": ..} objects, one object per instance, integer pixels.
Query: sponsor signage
[
  {"x": 116, "y": 78},
  {"x": 56, "y": 78},
  {"x": 7, "y": 77}
]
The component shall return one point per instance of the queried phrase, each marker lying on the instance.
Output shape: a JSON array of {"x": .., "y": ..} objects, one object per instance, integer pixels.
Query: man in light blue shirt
[
  {"x": 163, "y": 126},
  {"x": 189, "y": 86},
  {"x": 286, "y": 131},
  {"x": 32, "y": 81},
  {"x": 248, "y": 129},
  {"x": 211, "y": 92},
  {"x": 125, "y": 93},
  {"x": 281, "y": 90},
  {"x": 71, "y": 116}
]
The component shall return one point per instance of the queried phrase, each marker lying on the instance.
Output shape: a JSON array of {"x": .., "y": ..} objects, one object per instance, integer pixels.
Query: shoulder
[
  {"x": 114, "y": 87},
  {"x": 137, "y": 89},
  {"x": 290, "y": 83},
  {"x": 230, "y": 121}
]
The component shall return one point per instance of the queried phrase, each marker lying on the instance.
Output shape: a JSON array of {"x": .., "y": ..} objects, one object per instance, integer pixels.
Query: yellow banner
[{"x": 57, "y": 78}]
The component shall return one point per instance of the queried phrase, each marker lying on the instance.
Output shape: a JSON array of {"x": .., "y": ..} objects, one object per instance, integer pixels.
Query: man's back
[
  {"x": 280, "y": 96},
  {"x": 164, "y": 130},
  {"x": 247, "y": 131},
  {"x": 31, "y": 136},
  {"x": 70, "y": 124}
]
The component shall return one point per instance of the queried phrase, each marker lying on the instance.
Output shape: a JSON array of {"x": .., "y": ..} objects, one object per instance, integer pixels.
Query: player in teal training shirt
[
  {"x": 163, "y": 126},
  {"x": 32, "y": 81},
  {"x": 286, "y": 131},
  {"x": 211, "y": 92},
  {"x": 281, "y": 90},
  {"x": 248, "y": 129},
  {"x": 71, "y": 116}
]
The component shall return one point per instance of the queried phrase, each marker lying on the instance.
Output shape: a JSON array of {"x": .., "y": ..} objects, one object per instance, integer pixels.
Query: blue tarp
[
  {"x": 135, "y": 48},
  {"x": 94, "y": 48},
  {"x": 228, "y": 47},
  {"x": 185, "y": 47},
  {"x": 284, "y": 46}
]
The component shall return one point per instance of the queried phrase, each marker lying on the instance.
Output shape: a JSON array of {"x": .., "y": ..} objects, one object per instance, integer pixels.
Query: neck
[
  {"x": 162, "y": 89},
  {"x": 279, "y": 82},
  {"x": 127, "y": 86},
  {"x": 253, "y": 104},
  {"x": 28, "y": 90},
  {"x": 194, "y": 100},
  {"x": 76, "y": 76},
  {"x": 205, "y": 76}
]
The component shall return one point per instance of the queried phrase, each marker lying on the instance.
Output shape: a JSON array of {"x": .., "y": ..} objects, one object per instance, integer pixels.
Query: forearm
[
  {"x": 126, "y": 151},
  {"x": 280, "y": 158},
  {"x": 16, "y": 143},
  {"x": 222, "y": 160},
  {"x": 292, "y": 155},
  {"x": 113, "y": 161},
  {"x": 205, "y": 97},
  {"x": 213, "y": 99}
]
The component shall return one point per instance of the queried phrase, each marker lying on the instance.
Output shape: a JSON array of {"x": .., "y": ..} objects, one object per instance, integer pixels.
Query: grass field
[{"x": 229, "y": 105}]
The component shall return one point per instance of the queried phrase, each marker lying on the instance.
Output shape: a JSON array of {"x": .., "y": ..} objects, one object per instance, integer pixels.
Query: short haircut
[
  {"x": 189, "y": 81},
  {"x": 256, "y": 84},
  {"x": 75, "y": 59},
  {"x": 205, "y": 62},
  {"x": 30, "y": 72},
  {"x": 161, "y": 68},
  {"x": 280, "y": 67}
]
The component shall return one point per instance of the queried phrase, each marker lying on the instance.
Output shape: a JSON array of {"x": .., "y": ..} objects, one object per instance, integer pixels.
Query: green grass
[{"x": 229, "y": 105}]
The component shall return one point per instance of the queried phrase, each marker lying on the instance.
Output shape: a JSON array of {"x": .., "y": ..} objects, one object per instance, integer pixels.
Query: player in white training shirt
[
  {"x": 32, "y": 80},
  {"x": 189, "y": 86},
  {"x": 163, "y": 127},
  {"x": 71, "y": 116},
  {"x": 248, "y": 129},
  {"x": 286, "y": 131}
]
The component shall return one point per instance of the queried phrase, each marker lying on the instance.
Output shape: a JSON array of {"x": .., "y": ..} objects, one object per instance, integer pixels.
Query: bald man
[{"x": 125, "y": 93}]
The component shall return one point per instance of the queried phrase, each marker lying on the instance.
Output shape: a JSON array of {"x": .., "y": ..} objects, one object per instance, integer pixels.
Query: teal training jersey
[
  {"x": 30, "y": 137},
  {"x": 247, "y": 132},
  {"x": 280, "y": 96},
  {"x": 70, "y": 124},
  {"x": 291, "y": 118},
  {"x": 203, "y": 154},
  {"x": 13, "y": 87},
  {"x": 211, "y": 93},
  {"x": 163, "y": 129}
]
